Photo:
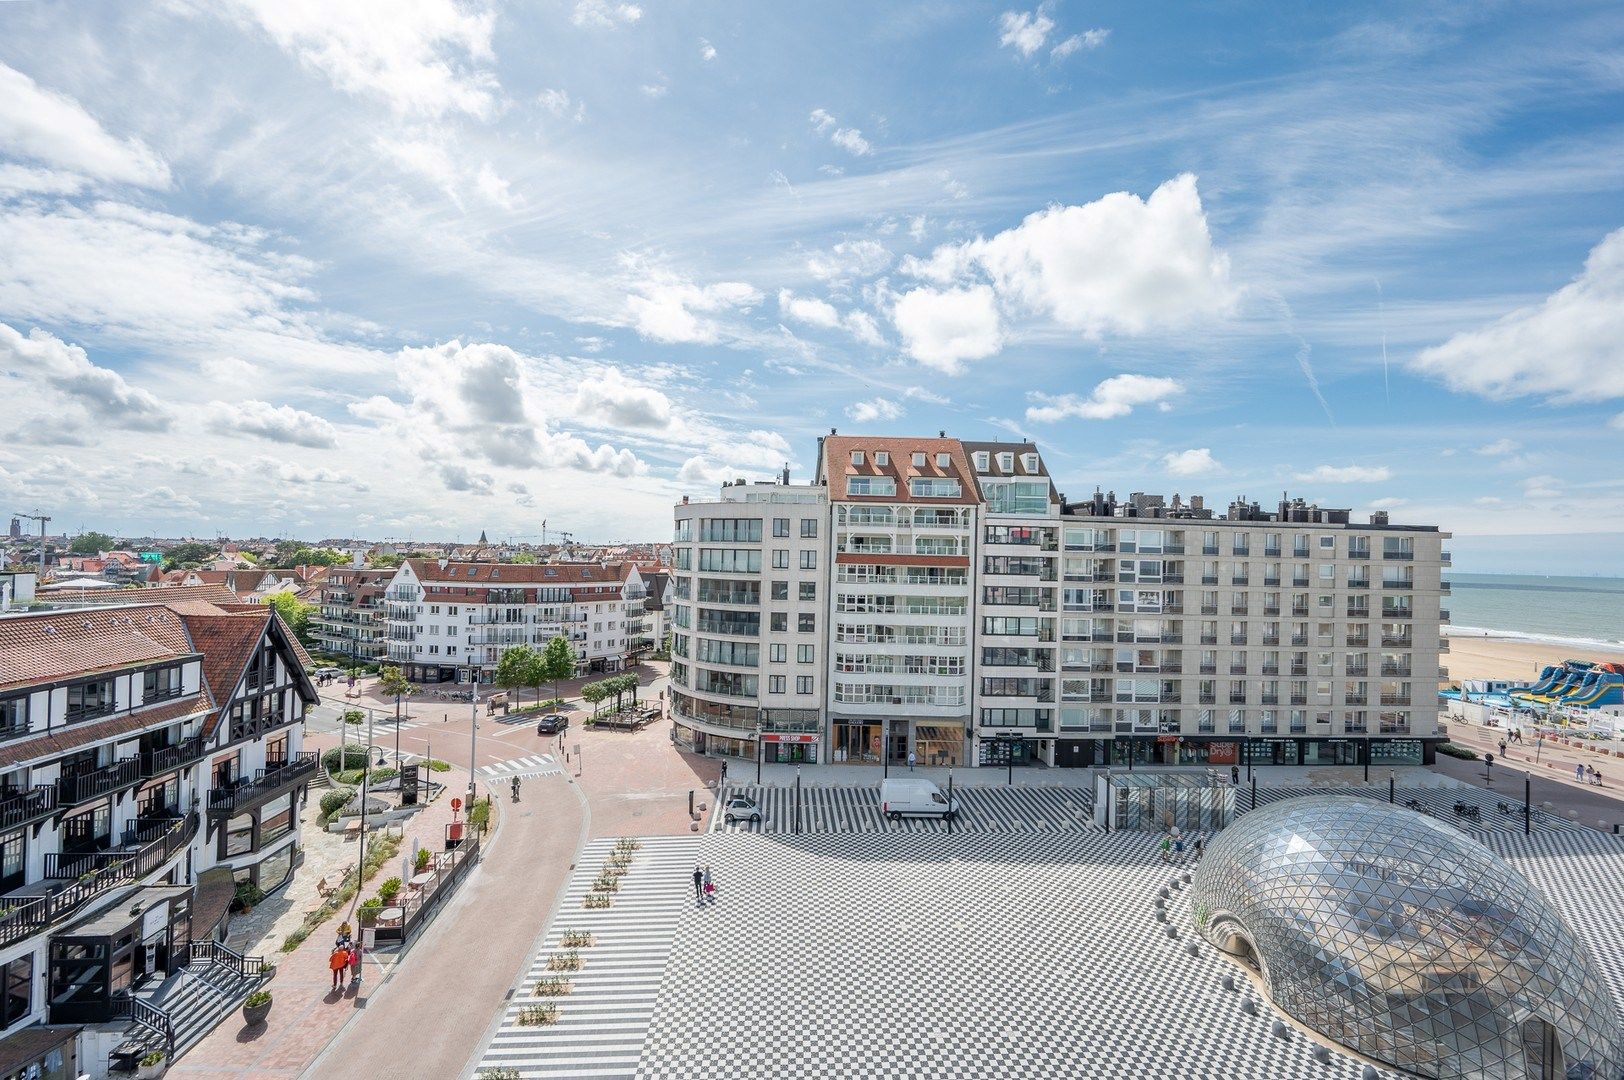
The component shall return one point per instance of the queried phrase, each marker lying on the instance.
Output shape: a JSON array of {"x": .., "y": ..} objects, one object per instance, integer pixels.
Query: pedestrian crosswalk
[
  {"x": 522, "y": 767},
  {"x": 857, "y": 809},
  {"x": 603, "y": 1018}
]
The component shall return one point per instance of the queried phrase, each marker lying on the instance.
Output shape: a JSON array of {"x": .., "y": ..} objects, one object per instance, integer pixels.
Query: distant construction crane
[{"x": 43, "y": 521}]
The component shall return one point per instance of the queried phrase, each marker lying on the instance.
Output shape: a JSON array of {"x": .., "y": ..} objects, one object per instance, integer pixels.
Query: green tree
[
  {"x": 523, "y": 558},
  {"x": 593, "y": 693},
  {"x": 393, "y": 681},
  {"x": 383, "y": 562},
  {"x": 514, "y": 669},
  {"x": 90, "y": 543},
  {"x": 557, "y": 661},
  {"x": 296, "y": 613},
  {"x": 188, "y": 556}
]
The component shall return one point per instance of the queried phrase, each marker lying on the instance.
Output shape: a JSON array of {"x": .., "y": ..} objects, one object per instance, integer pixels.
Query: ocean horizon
[{"x": 1566, "y": 610}]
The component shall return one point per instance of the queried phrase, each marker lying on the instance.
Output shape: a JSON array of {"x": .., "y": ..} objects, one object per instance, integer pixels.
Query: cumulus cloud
[
  {"x": 942, "y": 328},
  {"x": 616, "y": 401},
  {"x": 56, "y": 131},
  {"x": 275, "y": 423},
  {"x": 1190, "y": 462},
  {"x": 1565, "y": 349},
  {"x": 1088, "y": 39},
  {"x": 429, "y": 57},
  {"x": 460, "y": 478},
  {"x": 1542, "y": 487},
  {"x": 879, "y": 408},
  {"x": 102, "y": 394},
  {"x": 1387, "y": 503},
  {"x": 1025, "y": 31},
  {"x": 560, "y": 104},
  {"x": 603, "y": 15},
  {"x": 1347, "y": 474},
  {"x": 808, "y": 310},
  {"x": 848, "y": 139},
  {"x": 1500, "y": 448},
  {"x": 849, "y": 259},
  {"x": 1117, "y": 396},
  {"x": 1119, "y": 264},
  {"x": 669, "y": 309}
]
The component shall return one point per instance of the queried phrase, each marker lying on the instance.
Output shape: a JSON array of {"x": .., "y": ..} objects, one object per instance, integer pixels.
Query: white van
[{"x": 917, "y": 798}]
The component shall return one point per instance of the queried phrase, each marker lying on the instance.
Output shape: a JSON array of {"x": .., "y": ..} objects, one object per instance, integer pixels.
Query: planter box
[{"x": 254, "y": 1015}]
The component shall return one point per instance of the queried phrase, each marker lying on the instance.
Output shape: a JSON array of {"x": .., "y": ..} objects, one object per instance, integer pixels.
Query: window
[
  {"x": 16, "y": 990},
  {"x": 239, "y": 838},
  {"x": 90, "y": 699},
  {"x": 162, "y": 683},
  {"x": 730, "y": 560},
  {"x": 273, "y": 827},
  {"x": 775, "y": 684},
  {"x": 13, "y": 716},
  {"x": 809, "y": 528},
  {"x": 780, "y": 526},
  {"x": 1029, "y": 462},
  {"x": 944, "y": 461},
  {"x": 1006, "y": 462},
  {"x": 780, "y": 622},
  {"x": 983, "y": 461},
  {"x": 870, "y": 485},
  {"x": 780, "y": 590},
  {"x": 804, "y": 654},
  {"x": 919, "y": 459},
  {"x": 779, "y": 653},
  {"x": 806, "y": 623},
  {"x": 780, "y": 558},
  {"x": 684, "y": 531},
  {"x": 803, "y": 684},
  {"x": 856, "y": 457},
  {"x": 809, "y": 560},
  {"x": 881, "y": 457},
  {"x": 928, "y": 487},
  {"x": 809, "y": 590}
]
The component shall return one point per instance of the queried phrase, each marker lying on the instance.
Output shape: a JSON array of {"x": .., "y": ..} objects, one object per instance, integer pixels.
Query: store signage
[
  {"x": 787, "y": 737},
  {"x": 1167, "y": 738}
]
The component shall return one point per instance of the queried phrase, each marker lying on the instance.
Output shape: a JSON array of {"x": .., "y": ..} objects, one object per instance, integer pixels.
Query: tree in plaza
[
  {"x": 593, "y": 693},
  {"x": 556, "y": 663},
  {"x": 514, "y": 669},
  {"x": 391, "y": 680},
  {"x": 90, "y": 543},
  {"x": 296, "y": 613}
]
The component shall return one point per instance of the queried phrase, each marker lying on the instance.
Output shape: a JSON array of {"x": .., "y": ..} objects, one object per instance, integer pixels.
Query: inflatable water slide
[{"x": 1574, "y": 682}]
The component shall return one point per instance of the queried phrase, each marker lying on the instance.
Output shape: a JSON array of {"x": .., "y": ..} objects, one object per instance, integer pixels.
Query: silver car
[{"x": 739, "y": 808}]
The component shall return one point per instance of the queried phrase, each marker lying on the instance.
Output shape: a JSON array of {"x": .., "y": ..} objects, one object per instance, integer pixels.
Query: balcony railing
[
  {"x": 19, "y": 806},
  {"x": 1358, "y": 553},
  {"x": 157, "y": 762},
  {"x": 266, "y": 785},
  {"x": 84, "y": 786}
]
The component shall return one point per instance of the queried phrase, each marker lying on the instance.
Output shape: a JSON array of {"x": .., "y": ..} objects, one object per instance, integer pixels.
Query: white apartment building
[
  {"x": 970, "y": 616},
  {"x": 746, "y": 613},
  {"x": 451, "y": 621}
]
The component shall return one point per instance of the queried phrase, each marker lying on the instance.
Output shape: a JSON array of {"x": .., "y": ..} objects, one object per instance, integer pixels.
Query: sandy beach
[{"x": 1475, "y": 657}]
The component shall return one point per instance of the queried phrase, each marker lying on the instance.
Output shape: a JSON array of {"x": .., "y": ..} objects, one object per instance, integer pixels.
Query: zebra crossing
[
  {"x": 521, "y": 767},
  {"x": 602, "y": 1021},
  {"x": 857, "y": 809}
]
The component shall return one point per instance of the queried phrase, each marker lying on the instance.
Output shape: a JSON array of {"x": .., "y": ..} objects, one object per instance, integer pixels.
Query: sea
[{"x": 1570, "y": 610}]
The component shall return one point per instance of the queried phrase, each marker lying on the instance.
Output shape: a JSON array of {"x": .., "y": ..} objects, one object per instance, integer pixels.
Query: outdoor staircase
[{"x": 191, "y": 1003}]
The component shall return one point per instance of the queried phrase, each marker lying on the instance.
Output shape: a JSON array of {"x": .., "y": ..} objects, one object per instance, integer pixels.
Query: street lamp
[
  {"x": 1392, "y": 784},
  {"x": 1528, "y": 803}
]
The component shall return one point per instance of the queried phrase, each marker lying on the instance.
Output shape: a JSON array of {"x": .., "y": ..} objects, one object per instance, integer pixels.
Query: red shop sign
[{"x": 787, "y": 737}]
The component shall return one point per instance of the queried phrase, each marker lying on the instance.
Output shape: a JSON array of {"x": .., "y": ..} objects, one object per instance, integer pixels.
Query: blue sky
[{"x": 414, "y": 268}]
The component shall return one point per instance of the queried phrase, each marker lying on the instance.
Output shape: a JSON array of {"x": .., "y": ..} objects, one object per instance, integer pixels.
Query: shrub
[
  {"x": 424, "y": 856},
  {"x": 389, "y": 889},
  {"x": 349, "y": 776},
  {"x": 479, "y": 814},
  {"x": 349, "y": 756},
  {"x": 258, "y": 998},
  {"x": 152, "y": 1057},
  {"x": 388, "y": 773},
  {"x": 595, "y": 900},
  {"x": 497, "y": 1072},
  {"x": 536, "y": 1015},
  {"x": 568, "y": 960},
  {"x": 556, "y": 986},
  {"x": 1457, "y": 751},
  {"x": 249, "y": 894},
  {"x": 436, "y": 765},
  {"x": 379, "y": 850},
  {"x": 575, "y": 939},
  {"x": 369, "y": 910},
  {"x": 336, "y": 800}
]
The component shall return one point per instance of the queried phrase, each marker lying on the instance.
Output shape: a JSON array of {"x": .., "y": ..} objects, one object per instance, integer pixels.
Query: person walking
[
  {"x": 1178, "y": 848},
  {"x": 699, "y": 886},
  {"x": 710, "y": 889},
  {"x": 1200, "y": 845},
  {"x": 1167, "y": 849},
  {"x": 355, "y": 963},
  {"x": 1502, "y": 748},
  {"x": 1579, "y": 773},
  {"x": 337, "y": 962},
  {"x": 910, "y": 761}
]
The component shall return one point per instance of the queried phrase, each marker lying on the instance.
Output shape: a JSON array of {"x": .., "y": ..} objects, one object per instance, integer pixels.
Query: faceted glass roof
[{"x": 1404, "y": 939}]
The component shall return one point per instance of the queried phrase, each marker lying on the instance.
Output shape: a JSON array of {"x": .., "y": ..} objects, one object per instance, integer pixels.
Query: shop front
[
  {"x": 789, "y": 748},
  {"x": 859, "y": 742},
  {"x": 112, "y": 954}
]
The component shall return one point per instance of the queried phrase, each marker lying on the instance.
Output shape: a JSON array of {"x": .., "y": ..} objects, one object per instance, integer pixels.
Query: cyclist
[{"x": 515, "y": 789}]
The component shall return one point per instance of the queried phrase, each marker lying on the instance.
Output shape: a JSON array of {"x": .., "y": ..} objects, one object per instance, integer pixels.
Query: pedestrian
[
  {"x": 1502, "y": 748},
  {"x": 699, "y": 886},
  {"x": 1235, "y": 774},
  {"x": 710, "y": 889},
  {"x": 1579, "y": 773},
  {"x": 1167, "y": 849},
  {"x": 1200, "y": 845},
  {"x": 1178, "y": 847},
  {"x": 355, "y": 963},
  {"x": 910, "y": 761},
  {"x": 337, "y": 962}
]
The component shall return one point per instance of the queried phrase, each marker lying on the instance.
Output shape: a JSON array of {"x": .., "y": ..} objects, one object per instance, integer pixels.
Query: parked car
[
  {"x": 739, "y": 808},
  {"x": 328, "y": 672},
  {"x": 552, "y": 724},
  {"x": 915, "y": 798}
]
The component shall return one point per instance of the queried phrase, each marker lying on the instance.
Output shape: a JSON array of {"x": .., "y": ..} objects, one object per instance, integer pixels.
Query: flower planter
[
  {"x": 254, "y": 1015},
  {"x": 151, "y": 1072}
]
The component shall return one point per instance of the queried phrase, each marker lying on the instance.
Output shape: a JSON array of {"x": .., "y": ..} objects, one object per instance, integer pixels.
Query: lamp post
[
  {"x": 473, "y": 736},
  {"x": 1392, "y": 785},
  {"x": 885, "y": 747},
  {"x": 950, "y": 812},
  {"x": 761, "y": 751},
  {"x": 797, "y": 800},
  {"x": 1528, "y": 804}
]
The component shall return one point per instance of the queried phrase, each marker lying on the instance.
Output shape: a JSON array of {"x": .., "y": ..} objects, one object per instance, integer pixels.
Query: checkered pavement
[
  {"x": 602, "y": 1021},
  {"x": 1437, "y": 801},
  {"x": 857, "y": 809}
]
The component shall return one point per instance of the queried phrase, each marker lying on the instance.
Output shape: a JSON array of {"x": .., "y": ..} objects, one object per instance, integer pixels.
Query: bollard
[{"x": 690, "y": 802}]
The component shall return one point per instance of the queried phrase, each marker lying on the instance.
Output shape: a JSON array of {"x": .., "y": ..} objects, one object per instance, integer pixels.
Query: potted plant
[
  {"x": 421, "y": 862},
  {"x": 389, "y": 890},
  {"x": 151, "y": 1065},
  {"x": 369, "y": 910},
  {"x": 256, "y": 1008},
  {"x": 248, "y": 894}
]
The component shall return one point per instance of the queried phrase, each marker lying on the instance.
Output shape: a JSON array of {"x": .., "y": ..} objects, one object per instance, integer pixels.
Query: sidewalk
[{"x": 306, "y": 1013}]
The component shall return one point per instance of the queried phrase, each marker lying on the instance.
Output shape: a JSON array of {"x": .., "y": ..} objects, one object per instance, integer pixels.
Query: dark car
[{"x": 552, "y": 724}]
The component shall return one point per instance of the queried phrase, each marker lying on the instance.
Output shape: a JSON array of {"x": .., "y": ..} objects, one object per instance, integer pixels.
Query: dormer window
[
  {"x": 919, "y": 459},
  {"x": 944, "y": 461},
  {"x": 881, "y": 457},
  {"x": 983, "y": 461},
  {"x": 1029, "y": 462},
  {"x": 1006, "y": 462},
  {"x": 856, "y": 457}
]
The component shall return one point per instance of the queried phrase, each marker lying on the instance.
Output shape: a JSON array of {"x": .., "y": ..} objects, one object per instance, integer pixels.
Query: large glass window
[
  {"x": 16, "y": 990},
  {"x": 13, "y": 716},
  {"x": 273, "y": 827},
  {"x": 90, "y": 699},
  {"x": 13, "y": 860},
  {"x": 160, "y": 683},
  {"x": 870, "y": 485},
  {"x": 730, "y": 530},
  {"x": 239, "y": 835},
  {"x": 730, "y": 560}
]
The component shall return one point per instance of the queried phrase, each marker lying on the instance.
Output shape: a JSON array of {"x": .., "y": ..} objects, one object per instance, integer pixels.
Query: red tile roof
[
  {"x": 500, "y": 574},
  {"x": 837, "y": 467},
  {"x": 64, "y": 740},
  {"x": 47, "y": 646},
  {"x": 226, "y": 640}
]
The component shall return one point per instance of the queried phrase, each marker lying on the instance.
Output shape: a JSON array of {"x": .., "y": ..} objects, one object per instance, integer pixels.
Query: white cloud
[
  {"x": 808, "y": 310},
  {"x": 560, "y": 104},
  {"x": 1617, "y": 422},
  {"x": 941, "y": 328},
  {"x": 457, "y": 477},
  {"x": 1190, "y": 462},
  {"x": 55, "y": 130},
  {"x": 1500, "y": 448},
  {"x": 861, "y": 325},
  {"x": 1025, "y": 31},
  {"x": 1118, "y": 264},
  {"x": 849, "y": 259},
  {"x": 275, "y": 423},
  {"x": 848, "y": 139},
  {"x": 1117, "y": 396},
  {"x": 494, "y": 188},
  {"x": 657, "y": 89},
  {"x": 919, "y": 393},
  {"x": 1088, "y": 39},
  {"x": 603, "y": 15},
  {"x": 864, "y": 412},
  {"x": 1346, "y": 474},
  {"x": 1542, "y": 487},
  {"x": 666, "y": 308},
  {"x": 613, "y": 399},
  {"x": 1386, "y": 503},
  {"x": 707, "y": 51},
  {"x": 66, "y": 372},
  {"x": 428, "y": 57},
  {"x": 1565, "y": 349}
]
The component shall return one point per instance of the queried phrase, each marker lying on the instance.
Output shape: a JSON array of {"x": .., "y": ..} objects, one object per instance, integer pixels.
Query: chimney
[
  {"x": 685, "y": 500},
  {"x": 941, "y": 434},
  {"x": 786, "y": 474}
]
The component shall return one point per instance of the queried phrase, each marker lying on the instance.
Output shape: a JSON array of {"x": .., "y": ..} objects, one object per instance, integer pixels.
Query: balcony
[
  {"x": 1237, "y": 639},
  {"x": 1356, "y": 699},
  {"x": 1299, "y": 699},
  {"x": 157, "y": 762},
  {"x": 1209, "y": 579},
  {"x": 266, "y": 785},
  {"x": 1299, "y": 583},
  {"x": 1299, "y": 670},
  {"x": 1237, "y": 699},
  {"x": 1396, "y": 671},
  {"x": 1270, "y": 699},
  {"x": 84, "y": 786},
  {"x": 1209, "y": 639},
  {"x": 1445, "y": 588},
  {"x": 1209, "y": 609},
  {"x": 1208, "y": 669},
  {"x": 1443, "y": 615},
  {"x": 1405, "y": 556},
  {"x": 1358, "y": 671},
  {"x": 1396, "y": 699},
  {"x": 1237, "y": 669},
  {"x": 20, "y": 806},
  {"x": 1299, "y": 611},
  {"x": 1397, "y": 584},
  {"x": 1358, "y": 553},
  {"x": 1271, "y": 581},
  {"x": 1270, "y": 669},
  {"x": 1271, "y": 639},
  {"x": 1299, "y": 639},
  {"x": 1403, "y": 642},
  {"x": 1271, "y": 611},
  {"x": 1358, "y": 613},
  {"x": 1240, "y": 581},
  {"x": 1445, "y": 557},
  {"x": 1358, "y": 583}
]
